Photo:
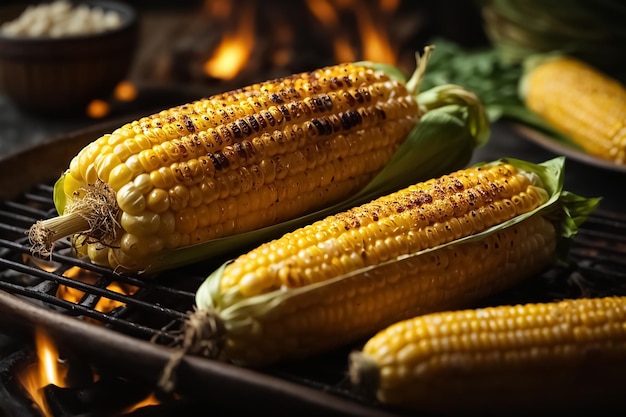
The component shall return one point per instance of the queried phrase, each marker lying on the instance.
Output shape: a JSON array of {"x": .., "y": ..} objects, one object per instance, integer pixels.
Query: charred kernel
[
  {"x": 197, "y": 146},
  {"x": 189, "y": 124},
  {"x": 285, "y": 112},
  {"x": 217, "y": 139},
  {"x": 248, "y": 149},
  {"x": 222, "y": 159},
  {"x": 223, "y": 114},
  {"x": 216, "y": 162},
  {"x": 276, "y": 98},
  {"x": 326, "y": 101},
  {"x": 318, "y": 103},
  {"x": 268, "y": 116},
  {"x": 236, "y": 131},
  {"x": 226, "y": 135},
  {"x": 403, "y": 222},
  {"x": 346, "y": 122},
  {"x": 245, "y": 128},
  {"x": 254, "y": 123},
  {"x": 240, "y": 150}
]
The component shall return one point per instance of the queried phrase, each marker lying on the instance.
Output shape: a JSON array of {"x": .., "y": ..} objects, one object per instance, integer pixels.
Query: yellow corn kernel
[
  {"x": 283, "y": 140},
  {"x": 419, "y": 217},
  {"x": 441, "y": 244},
  {"x": 371, "y": 299},
  {"x": 578, "y": 100},
  {"x": 542, "y": 357}
]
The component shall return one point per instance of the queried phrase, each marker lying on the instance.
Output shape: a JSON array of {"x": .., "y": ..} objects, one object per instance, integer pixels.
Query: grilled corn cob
[
  {"x": 558, "y": 357},
  {"x": 236, "y": 162},
  {"x": 582, "y": 103},
  {"x": 435, "y": 245}
]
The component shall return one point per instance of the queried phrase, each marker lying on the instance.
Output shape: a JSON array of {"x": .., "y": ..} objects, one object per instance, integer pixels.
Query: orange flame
[
  {"x": 47, "y": 370},
  {"x": 148, "y": 401},
  {"x": 74, "y": 295},
  {"x": 376, "y": 44},
  {"x": 326, "y": 13},
  {"x": 373, "y": 37},
  {"x": 234, "y": 50}
]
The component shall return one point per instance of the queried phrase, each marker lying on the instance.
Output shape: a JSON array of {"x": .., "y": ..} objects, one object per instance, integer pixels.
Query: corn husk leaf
[
  {"x": 567, "y": 211},
  {"x": 441, "y": 142},
  {"x": 494, "y": 81}
]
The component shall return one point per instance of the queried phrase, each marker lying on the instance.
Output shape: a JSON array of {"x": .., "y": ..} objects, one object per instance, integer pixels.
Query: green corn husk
[{"x": 235, "y": 320}]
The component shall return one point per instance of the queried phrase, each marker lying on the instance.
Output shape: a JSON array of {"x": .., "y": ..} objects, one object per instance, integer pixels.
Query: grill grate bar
[
  {"x": 147, "y": 311},
  {"x": 89, "y": 288},
  {"x": 23, "y": 208},
  {"x": 37, "y": 198},
  {"x": 596, "y": 268},
  {"x": 72, "y": 261},
  {"x": 11, "y": 228},
  {"x": 17, "y": 218},
  {"x": 129, "y": 327}
]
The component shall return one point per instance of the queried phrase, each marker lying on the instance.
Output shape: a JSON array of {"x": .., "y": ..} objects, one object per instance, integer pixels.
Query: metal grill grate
[
  {"x": 154, "y": 311},
  {"x": 145, "y": 314}
]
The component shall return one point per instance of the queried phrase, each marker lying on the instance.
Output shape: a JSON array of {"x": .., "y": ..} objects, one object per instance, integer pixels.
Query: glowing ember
[
  {"x": 74, "y": 295},
  {"x": 47, "y": 370},
  {"x": 125, "y": 91},
  {"x": 233, "y": 52},
  {"x": 97, "y": 109},
  {"x": 146, "y": 402}
]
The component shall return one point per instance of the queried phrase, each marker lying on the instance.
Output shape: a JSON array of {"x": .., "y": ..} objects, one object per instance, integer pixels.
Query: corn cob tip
[{"x": 95, "y": 214}]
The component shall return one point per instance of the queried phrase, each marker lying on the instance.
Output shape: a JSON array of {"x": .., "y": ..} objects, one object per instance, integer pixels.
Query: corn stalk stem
[
  {"x": 44, "y": 233},
  {"x": 95, "y": 215}
]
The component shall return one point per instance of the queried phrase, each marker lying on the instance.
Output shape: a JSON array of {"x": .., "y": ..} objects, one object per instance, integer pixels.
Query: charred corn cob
[
  {"x": 582, "y": 103},
  {"x": 435, "y": 245},
  {"x": 547, "y": 357},
  {"x": 235, "y": 162}
]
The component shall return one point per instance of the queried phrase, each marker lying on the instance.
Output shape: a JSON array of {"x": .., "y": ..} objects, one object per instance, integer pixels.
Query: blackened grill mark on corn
[
  {"x": 187, "y": 163},
  {"x": 412, "y": 219},
  {"x": 189, "y": 124}
]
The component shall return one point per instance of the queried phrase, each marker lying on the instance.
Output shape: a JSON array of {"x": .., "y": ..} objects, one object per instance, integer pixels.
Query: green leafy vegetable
[{"x": 494, "y": 81}]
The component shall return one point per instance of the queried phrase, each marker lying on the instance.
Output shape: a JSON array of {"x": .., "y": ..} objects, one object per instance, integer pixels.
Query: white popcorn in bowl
[{"x": 61, "y": 18}]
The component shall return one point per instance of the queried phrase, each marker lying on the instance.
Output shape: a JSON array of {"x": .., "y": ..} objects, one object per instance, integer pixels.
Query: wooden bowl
[{"x": 60, "y": 76}]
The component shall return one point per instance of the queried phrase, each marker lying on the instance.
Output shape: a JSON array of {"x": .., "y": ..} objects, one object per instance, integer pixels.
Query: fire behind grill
[{"x": 146, "y": 323}]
